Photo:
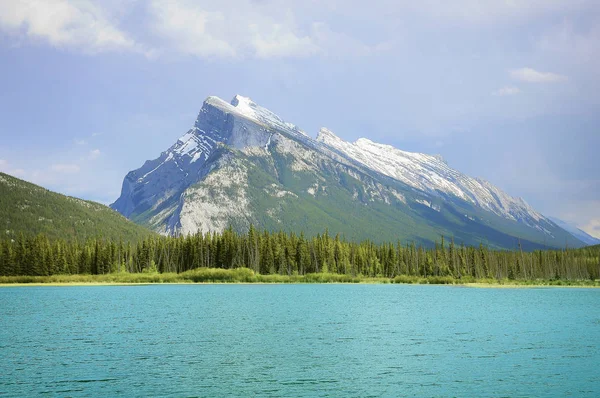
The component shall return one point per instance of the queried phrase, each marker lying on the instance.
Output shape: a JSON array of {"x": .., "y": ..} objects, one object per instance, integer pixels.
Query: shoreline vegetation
[
  {"x": 248, "y": 276},
  {"x": 278, "y": 257}
]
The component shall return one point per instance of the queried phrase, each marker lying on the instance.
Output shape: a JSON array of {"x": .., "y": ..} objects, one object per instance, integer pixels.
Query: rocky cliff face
[{"x": 241, "y": 164}]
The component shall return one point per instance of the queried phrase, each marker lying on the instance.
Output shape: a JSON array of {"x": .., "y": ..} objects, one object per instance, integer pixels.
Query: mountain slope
[
  {"x": 431, "y": 174},
  {"x": 576, "y": 232},
  {"x": 241, "y": 164},
  {"x": 30, "y": 209}
]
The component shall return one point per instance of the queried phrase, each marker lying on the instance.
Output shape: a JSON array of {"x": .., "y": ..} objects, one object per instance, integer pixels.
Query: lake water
[{"x": 298, "y": 340}]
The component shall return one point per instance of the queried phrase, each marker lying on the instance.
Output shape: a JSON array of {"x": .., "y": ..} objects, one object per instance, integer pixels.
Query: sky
[{"x": 505, "y": 90}]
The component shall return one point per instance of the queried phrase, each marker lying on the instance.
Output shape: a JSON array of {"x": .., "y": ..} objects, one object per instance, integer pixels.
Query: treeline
[{"x": 270, "y": 253}]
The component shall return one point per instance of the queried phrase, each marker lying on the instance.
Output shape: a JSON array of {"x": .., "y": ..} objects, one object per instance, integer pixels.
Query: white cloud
[
  {"x": 226, "y": 29},
  {"x": 65, "y": 168},
  {"x": 75, "y": 24},
  {"x": 592, "y": 227},
  {"x": 585, "y": 213},
  {"x": 192, "y": 30},
  {"x": 3, "y": 163},
  {"x": 80, "y": 142},
  {"x": 533, "y": 76},
  {"x": 94, "y": 154},
  {"x": 245, "y": 29},
  {"x": 504, "y": 91},
  {"x": 279, "y": 41},
  {"x": 251, "y": 28}
]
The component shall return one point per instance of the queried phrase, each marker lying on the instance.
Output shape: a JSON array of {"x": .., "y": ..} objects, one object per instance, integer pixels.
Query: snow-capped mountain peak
[
  {"x": 427, "y": 173},
  {"x": 213, "y": 176},
  {"x": 327, "y": 136},
  {"x": 245, "y": 105},
  {"x": 246, "y": 108}
]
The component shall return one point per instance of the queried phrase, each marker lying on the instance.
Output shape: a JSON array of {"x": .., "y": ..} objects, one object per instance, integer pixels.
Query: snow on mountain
[
  {"x": 431, "y": 174},
  {"x": 208, "y": 180},
  {"x": 246, "y": 108}
]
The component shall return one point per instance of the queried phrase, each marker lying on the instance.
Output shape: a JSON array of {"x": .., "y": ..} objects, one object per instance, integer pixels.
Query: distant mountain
[
  {"x": 30, "y": 209},
  {"x": 576, "y": 232},
  {"x": 241, "y": 164}
]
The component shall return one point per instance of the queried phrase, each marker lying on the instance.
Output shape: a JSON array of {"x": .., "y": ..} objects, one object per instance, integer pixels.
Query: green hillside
[{"x": 30, "y": 209}]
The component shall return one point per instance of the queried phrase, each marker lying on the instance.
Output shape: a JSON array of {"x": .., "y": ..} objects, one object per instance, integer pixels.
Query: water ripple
[{"x": 298, "y": 340}]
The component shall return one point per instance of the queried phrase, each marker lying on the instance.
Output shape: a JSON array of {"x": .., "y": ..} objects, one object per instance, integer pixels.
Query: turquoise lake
[{"x": 298, "y": 341}]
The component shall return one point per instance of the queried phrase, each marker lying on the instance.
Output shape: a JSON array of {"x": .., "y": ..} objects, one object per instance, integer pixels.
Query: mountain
[
  {"x": 30, "y": 209},
  {"x": 241, "y": 164},
  {"x": 576, "y": 232}
]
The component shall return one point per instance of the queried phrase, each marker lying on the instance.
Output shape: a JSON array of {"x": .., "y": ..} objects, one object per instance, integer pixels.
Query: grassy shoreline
[{"x": 245, "y": 275}]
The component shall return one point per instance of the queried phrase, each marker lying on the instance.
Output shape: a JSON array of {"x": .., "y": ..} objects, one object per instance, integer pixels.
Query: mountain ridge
[{"x": 242, "y": 164}]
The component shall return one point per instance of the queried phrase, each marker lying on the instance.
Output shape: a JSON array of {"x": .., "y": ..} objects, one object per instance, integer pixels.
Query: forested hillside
[{"x": 30, "y": 209}]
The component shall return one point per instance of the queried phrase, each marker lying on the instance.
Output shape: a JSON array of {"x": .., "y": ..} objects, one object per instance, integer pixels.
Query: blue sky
[{"x": 504, "y": 90}]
